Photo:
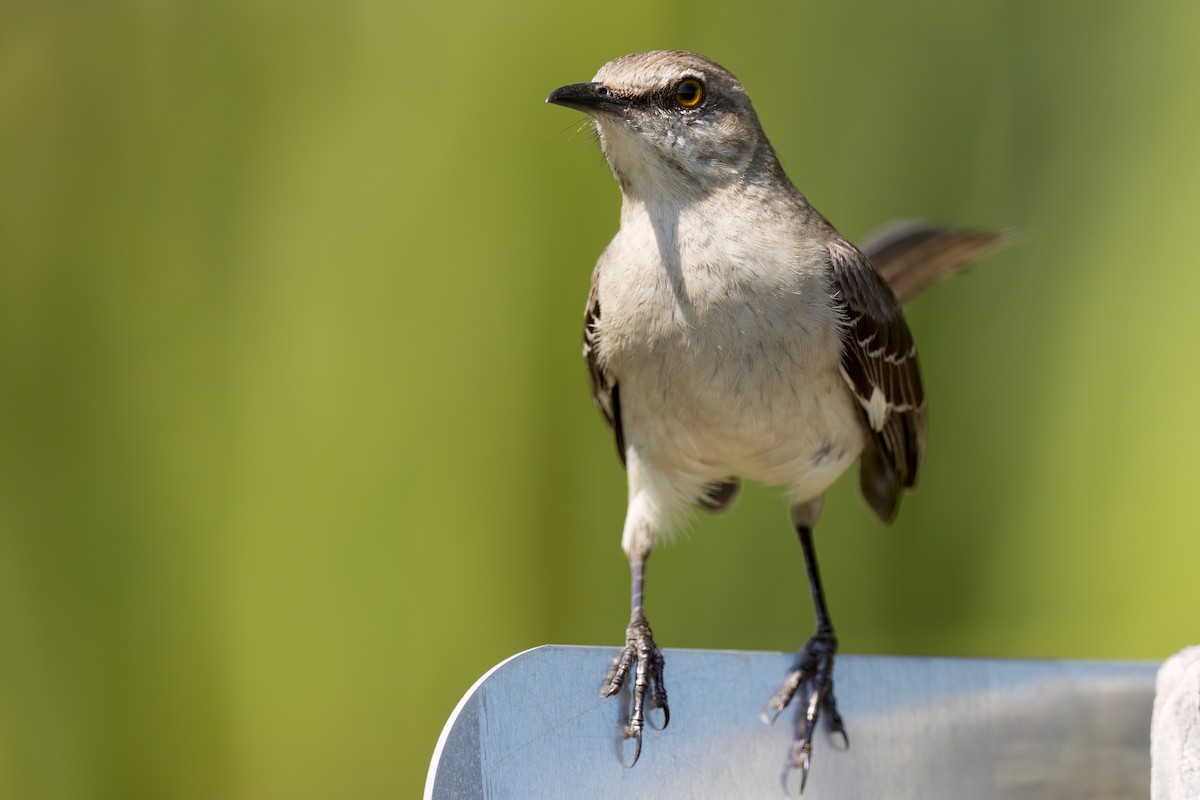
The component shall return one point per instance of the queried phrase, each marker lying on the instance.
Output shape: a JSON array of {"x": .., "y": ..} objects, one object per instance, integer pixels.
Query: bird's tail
[{"x": 912, "y": 256}]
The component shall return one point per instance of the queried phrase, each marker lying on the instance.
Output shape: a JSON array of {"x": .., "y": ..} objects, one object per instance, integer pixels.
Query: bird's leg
[
  {"x": 813, "y": 668},
  {"x": 641, "y": 655}
]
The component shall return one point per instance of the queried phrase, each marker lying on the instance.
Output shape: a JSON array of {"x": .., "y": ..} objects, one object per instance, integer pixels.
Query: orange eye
[{"x": 689, "y": 93}]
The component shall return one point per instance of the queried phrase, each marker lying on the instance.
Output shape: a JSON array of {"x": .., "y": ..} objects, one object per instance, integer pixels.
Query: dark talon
[
  {"x": 801, "y": 760},
  {"x": 833, "y": 720},
  {"x": 666, "y": 716},
  {"x": 637, "y": 751}
]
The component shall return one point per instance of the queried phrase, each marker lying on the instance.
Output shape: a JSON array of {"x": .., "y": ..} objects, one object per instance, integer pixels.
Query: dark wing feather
[
  {"x": 716, "y": 497},
  {"x": 605, "y": 393},
  {"x": 879, "y": 363}
]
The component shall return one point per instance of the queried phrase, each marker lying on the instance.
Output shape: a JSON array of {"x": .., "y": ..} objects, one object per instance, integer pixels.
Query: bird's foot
[
  {"x": 642, "y": 656},
  {"x": 813, "y": 671}
]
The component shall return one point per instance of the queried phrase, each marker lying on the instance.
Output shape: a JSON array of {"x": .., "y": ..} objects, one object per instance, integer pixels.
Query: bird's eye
[{"x": 689, "y": 93}]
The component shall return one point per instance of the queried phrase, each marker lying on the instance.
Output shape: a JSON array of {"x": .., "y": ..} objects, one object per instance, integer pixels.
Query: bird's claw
[
  {"x": 801, "y": 760},
  {"x": 783, "y": 696},
  {"x": 833, "y": 721},
  {"x": 813, "y": 669},
  {"x": 642, "y": 656},
  {"x": 637, "y": 743}
]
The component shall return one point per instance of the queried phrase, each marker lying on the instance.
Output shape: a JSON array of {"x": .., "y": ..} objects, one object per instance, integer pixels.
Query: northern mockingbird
[{"x": 731, "y": 333}]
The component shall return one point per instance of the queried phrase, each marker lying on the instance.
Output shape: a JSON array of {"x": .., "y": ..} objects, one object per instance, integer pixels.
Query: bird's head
[{"x": 672, "y": 122}]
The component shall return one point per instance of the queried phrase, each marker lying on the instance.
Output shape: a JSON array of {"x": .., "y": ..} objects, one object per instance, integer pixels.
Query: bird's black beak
[{"x": 587, "y": 97}]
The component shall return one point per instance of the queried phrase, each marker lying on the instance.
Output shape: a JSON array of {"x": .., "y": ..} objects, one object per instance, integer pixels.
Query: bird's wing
[
  {"x": 879, "y": 363},
  {"x": 605, "y": 393}
]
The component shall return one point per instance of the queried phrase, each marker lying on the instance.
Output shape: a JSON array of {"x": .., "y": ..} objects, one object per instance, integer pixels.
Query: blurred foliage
[{"x": 295, "y": 439}]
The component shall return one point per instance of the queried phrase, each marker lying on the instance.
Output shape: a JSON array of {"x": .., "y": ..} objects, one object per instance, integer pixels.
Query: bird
[{"x": 732, "y": 334}]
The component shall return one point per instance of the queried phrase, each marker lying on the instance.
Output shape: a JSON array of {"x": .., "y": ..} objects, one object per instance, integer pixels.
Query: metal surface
[{"x": 535, "y": 727}]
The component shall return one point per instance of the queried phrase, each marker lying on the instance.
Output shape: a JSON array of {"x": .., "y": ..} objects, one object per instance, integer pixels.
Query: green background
[{"x": 295, "y": 437}]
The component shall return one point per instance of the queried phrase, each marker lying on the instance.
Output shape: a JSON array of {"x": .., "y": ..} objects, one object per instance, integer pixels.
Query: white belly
[
  {"x": 710, "y": 394},
  {"x": 799, "y": 431}
]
